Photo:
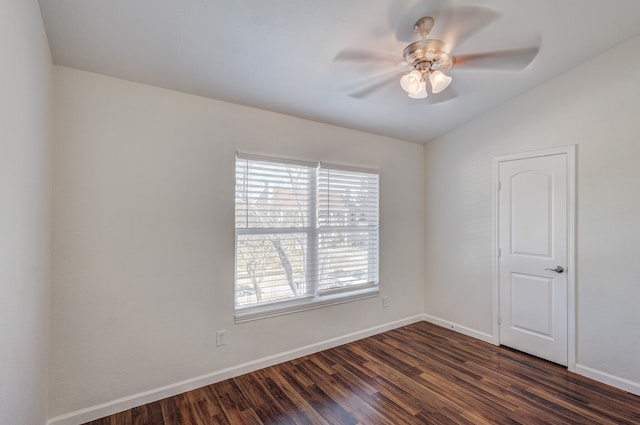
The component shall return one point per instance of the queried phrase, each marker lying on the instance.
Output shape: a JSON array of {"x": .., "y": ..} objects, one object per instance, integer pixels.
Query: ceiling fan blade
[
  {"x": 508, "y": 60},
  {"x": 362, "y": 55},
  {"x": 365, "y": 88},
  {"x": 456, "y": 26}
]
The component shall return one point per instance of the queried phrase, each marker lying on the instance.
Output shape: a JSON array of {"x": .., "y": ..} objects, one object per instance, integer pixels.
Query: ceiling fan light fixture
[
  {"x": 421, "y": 93},
  {"x": 412, "y": 82},
  {"x": 439, "y": 81}
]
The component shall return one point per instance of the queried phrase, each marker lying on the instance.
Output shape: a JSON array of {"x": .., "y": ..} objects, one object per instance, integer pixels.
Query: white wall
[
  {"x": 24, "y": 213},
  {"x": 604, "y": 123},
  {"x": 144, "y": 243}
]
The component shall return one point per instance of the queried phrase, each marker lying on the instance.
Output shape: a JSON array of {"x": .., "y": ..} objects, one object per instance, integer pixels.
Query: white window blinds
[
  {"x": 303, "y": 232},
  {"x": 347, "y": 229},
  {"x": 273, "y": 195},
  {"x": 275, "y": 217}
]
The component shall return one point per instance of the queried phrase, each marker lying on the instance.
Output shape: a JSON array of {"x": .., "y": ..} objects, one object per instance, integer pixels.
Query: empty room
[{"x": 297, "y": 212}]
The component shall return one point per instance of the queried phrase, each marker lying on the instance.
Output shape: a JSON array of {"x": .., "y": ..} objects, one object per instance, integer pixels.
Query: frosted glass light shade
[
  {"x": 411, "y": 82},
  {"x": 421, "y": 93},
  {"x": 439, "y": 81}
]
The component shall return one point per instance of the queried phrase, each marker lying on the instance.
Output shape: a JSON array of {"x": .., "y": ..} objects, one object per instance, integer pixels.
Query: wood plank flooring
[{"x": 418, "y": 374}]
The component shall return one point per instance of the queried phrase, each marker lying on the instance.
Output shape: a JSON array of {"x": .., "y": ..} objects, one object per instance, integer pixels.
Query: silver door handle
[{"x": 558, "y": 269}]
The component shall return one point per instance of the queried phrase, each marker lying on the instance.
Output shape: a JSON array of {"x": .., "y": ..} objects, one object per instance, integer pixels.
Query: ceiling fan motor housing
[{"x": 427, "y": 54}]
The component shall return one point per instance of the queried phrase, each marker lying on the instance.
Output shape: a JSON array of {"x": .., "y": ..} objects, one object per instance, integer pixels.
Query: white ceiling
[{"x": 279, "y": 54}]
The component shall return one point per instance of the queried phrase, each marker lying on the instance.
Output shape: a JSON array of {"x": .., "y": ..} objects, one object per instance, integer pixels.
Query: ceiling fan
[{"x": 426, "y": 62}]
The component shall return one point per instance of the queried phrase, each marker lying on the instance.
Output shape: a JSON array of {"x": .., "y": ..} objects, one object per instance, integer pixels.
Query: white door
[{"x": 532, "y": 234}]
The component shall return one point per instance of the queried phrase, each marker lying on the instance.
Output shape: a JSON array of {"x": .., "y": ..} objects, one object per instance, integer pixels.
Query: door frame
[{"x": 570, "y": 151}]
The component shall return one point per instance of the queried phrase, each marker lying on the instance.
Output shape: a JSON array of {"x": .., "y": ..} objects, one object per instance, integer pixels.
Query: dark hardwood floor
[{"x": 418, "y": 374}]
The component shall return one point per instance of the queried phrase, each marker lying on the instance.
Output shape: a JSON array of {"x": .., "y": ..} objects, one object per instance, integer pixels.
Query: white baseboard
[
  {"x": 461, "y": 329},
  {"x": 614, "y": 381},
  {"x": 96, "y": 412},
  {"x": 605, "y": 378}
]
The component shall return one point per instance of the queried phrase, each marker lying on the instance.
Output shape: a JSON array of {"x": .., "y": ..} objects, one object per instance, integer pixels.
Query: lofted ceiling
[{"x": 279, "y": 55}]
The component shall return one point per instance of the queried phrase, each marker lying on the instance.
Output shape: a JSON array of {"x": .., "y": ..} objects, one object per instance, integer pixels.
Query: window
[{"x": 306, "y": 235}]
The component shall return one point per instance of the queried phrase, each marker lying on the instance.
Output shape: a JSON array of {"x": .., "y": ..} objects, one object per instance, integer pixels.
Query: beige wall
[
  {"x": 595, "y": 106},
  {"x": 24, "y": 213},
  {"x": 143, "y": 239}
]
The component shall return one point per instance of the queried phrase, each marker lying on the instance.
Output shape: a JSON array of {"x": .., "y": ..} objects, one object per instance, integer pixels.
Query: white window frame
[{"x": 313, "y": 298}]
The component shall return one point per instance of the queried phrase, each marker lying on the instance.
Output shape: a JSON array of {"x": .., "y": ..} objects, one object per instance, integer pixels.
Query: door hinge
[
  {"x": 499, "y": 186},
  {"x": 499, "y": 320},
  {"x": 499, "y": 252}
]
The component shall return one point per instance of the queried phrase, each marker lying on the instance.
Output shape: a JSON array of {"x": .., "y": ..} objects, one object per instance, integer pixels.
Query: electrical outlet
[
  {"x": 385, "y": 302},
  {"x": 221, "y": 337}
]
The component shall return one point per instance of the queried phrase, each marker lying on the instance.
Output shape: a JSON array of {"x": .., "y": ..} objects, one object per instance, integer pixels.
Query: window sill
[{"x": 272, "y": 310}]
